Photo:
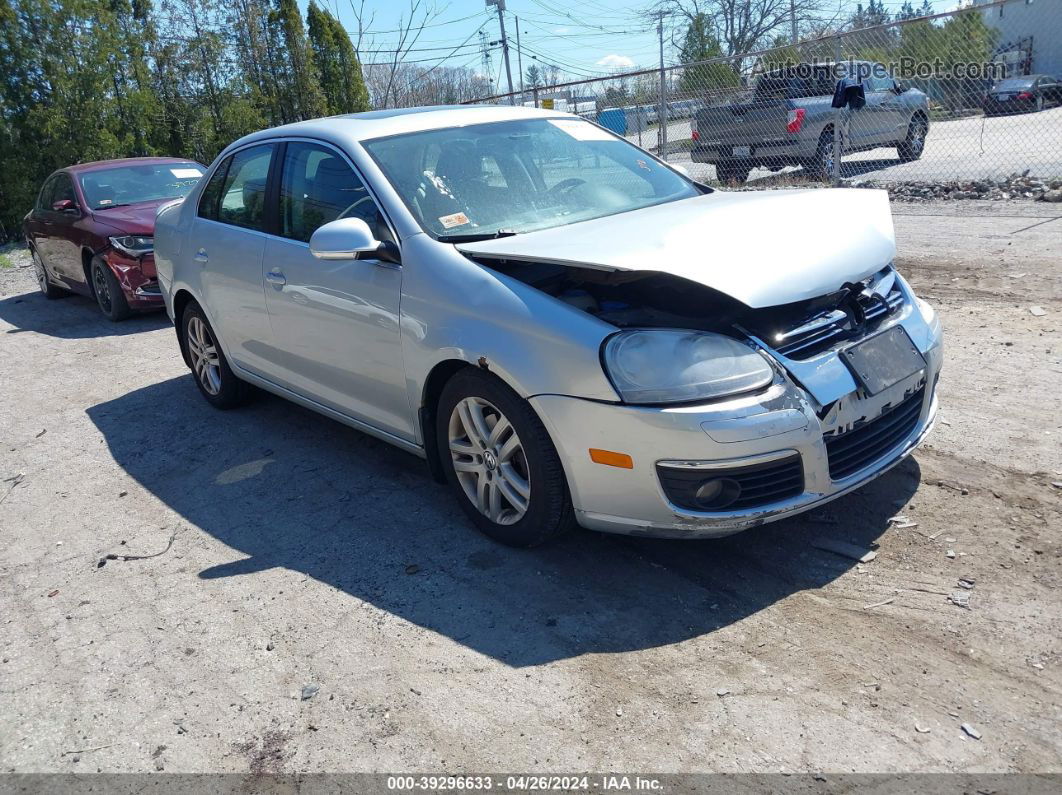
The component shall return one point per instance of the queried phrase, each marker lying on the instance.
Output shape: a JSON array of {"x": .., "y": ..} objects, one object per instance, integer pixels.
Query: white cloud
[
  {"x": 614, "y": 61},
  {"x": 561, "y": 30}
]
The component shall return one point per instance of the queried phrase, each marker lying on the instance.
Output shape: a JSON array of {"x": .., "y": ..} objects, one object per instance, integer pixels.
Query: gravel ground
[{"x": 323, "y": 605}]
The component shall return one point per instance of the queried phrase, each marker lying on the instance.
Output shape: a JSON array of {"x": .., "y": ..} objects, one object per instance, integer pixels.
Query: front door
[{"x": 335, "y": 323}]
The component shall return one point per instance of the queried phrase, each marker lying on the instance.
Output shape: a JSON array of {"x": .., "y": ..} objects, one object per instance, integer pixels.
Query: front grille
[
  {"x": 826, "y": 329},
  {"x": 756, "y": 484},
  {"x": 852, "y": 450}
]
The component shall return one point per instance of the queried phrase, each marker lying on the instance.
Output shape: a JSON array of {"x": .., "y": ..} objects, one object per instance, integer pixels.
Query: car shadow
[
  {"x": 71, "y": 317},
  {"x": 284, "y": 487}
]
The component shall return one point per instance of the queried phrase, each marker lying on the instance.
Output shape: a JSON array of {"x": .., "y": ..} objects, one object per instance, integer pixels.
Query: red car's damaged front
[{"x": 92, "y": 230}]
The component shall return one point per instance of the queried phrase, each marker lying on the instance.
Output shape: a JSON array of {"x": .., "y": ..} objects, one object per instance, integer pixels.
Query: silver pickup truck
[{"x": 788, "y": 119}]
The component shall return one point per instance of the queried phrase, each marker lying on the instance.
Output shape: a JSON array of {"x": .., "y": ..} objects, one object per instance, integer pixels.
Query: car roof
[
  {"x": 97, "y": 165},
  {"x": 383, "y": 123}
]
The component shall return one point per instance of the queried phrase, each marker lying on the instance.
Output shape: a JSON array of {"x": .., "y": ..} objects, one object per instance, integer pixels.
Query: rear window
[{"x": 782, "y": 86}]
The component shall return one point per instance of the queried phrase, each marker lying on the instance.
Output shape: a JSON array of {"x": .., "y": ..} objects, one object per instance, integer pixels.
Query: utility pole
[
  {"x": 792, "y": 21},
  {"x": 519, "y": 59},
  {"x": 505, "y": 45},
  {"x": 661, "y": 114}
]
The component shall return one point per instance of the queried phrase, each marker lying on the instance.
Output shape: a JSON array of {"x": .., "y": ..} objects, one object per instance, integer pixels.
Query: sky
[{"x": 584, "y": 38}]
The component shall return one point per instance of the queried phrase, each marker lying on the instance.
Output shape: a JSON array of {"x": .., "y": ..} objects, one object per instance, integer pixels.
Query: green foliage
[
  {"x": 337, "y": 63},
  {"x": 532, "y": 77},
  {"x": 84, "y": 80},
  {"x": 701, "y": 44}
]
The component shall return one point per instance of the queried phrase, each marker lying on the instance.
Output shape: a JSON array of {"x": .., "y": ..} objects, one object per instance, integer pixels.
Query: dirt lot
[{"x": 307, "y": 555}]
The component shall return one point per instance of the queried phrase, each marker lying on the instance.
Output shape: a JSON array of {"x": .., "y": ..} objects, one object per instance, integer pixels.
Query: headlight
[
  {"x": 134, "y": 245},
  {"x": 666, "y": 366}
]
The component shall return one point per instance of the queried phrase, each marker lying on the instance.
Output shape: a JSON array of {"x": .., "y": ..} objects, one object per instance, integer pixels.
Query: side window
[
  {"x": 208, "y": 201},
  {"x": 63, "y": 191},
  {"x": 879, "y": 79},
  {"x": 44, "y": 200},
  {"x": 317, "y": 186},
  {"x": 243, "y": 191}
]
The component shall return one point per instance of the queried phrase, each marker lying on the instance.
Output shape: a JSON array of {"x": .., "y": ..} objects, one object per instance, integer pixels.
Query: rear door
[
  {"x": 227, "y": 243},
  {"x": 335, "y": 322},
  {"x": 64, "y": 247},
  {"x": 40, "y": 226}
]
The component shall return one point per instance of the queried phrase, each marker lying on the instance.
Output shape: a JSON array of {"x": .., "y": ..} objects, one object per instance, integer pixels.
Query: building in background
[{"x": 1030, "y": 34}]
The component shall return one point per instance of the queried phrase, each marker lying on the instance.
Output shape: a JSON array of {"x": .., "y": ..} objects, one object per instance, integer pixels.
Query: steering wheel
[{"x": 566, "y": 185}]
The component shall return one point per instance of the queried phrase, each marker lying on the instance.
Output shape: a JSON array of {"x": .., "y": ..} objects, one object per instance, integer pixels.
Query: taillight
[
  {"x": 796, "y": 120},
  {"x": 696, "y": 136},
  {"x": 1024, "y": 95}
]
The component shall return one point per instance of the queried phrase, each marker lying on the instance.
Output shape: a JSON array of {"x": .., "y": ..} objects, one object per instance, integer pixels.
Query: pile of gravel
[{"x": 1016, "y": 186}]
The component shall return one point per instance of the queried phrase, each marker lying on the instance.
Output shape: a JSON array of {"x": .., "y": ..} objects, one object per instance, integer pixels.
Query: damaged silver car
[{"x": 569, "y": 330}]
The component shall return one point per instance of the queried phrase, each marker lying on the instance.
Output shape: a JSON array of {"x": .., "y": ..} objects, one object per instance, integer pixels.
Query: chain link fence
[{"x": 966, "y": 104}]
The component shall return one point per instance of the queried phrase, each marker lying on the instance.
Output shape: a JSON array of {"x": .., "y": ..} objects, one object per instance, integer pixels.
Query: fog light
[{"x": 718, "y": 493}]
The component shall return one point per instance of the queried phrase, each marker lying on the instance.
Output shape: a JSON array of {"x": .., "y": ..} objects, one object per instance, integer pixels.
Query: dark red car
[{"x": 92, "y": 231}]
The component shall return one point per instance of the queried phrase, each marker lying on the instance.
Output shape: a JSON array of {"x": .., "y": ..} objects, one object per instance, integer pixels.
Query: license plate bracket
[{"x": 883, "y": 360}]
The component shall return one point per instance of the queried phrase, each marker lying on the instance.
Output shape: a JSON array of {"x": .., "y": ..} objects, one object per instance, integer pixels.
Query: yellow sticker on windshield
[{"x": 450, "y": 221}]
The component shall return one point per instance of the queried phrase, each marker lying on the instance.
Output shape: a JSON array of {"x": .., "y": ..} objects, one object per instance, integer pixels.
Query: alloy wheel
[
  {"x": 203, "y": 351},
  {"x": 489, "y": 460},
  {"x": 918, "y": 138},
  {"x": 42, "y": 274},
  {"x": 99, "y": 284}
]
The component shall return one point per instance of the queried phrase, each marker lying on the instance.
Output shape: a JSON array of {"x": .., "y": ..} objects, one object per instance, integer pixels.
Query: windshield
[
  {"x": 509, "y": 177},
  {"x": 1013, "y": 84},
  {"x": 121, "y": 185}
]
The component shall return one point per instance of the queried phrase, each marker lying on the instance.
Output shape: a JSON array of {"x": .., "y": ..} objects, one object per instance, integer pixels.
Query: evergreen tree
[
  {"x": 302, "y": 85},
  {"x": 700, "y": 44},
  {"x": 342, "y": 83}
]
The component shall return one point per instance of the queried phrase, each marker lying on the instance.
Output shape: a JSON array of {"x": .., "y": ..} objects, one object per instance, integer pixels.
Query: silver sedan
[{"x": 567, "y": 329}]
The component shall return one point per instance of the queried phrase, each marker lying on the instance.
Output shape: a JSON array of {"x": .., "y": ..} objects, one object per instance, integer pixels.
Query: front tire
[
  {"x": 215, "y": 379},
  {"x": 108, "y": 292},
  {"x": 820, "y": 167},
  {"x": 501, "y": 463},
  {"x": 44, "y": 282},
  {"x": 915, "y": 143}
]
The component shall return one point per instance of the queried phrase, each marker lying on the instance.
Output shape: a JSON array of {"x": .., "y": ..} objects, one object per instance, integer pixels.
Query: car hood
[
  {"x": 763, "y": 248},
  {"x": 136, "y": 219}
]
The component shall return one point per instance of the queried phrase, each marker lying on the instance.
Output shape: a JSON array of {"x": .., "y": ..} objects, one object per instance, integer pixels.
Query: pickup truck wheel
[
  {"x": 732, "y": 173},
  {"x": 820, "y": 167},
  {"x": 915, "y": 143},
  {"x": 501, "y": 462}
]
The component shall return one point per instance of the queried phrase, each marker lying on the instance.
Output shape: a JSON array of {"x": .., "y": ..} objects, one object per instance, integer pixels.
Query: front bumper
[
  {"x": 137, "y": 278},
  {"x": 745, "y": 431}
]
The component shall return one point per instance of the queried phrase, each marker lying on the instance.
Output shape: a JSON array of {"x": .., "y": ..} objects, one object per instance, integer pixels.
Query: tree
[
  {"x": 532, "y": 77},
  {"x": 701, "y": 44},
  {"x": 743, "y": 26},
  {"x": 292, "y": 48},
  {"x": 342, "y": 83}
]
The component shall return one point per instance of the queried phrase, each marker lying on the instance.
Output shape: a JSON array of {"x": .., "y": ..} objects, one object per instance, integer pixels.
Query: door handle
[
  {"x": 277, "y": 278},
  {"x": 201, "y": 255}
]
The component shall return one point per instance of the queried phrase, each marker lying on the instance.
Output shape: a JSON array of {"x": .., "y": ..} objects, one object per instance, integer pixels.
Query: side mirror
[
  {"x": 346, "y": 238},
  {"x": 65, "y": 206}
]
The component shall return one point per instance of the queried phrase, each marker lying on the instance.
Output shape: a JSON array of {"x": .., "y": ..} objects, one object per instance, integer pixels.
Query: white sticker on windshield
[
  {"x": 582, "y": 130},
  {"x": 186, "y": 173},
  {"x": 450, "y": 221}
]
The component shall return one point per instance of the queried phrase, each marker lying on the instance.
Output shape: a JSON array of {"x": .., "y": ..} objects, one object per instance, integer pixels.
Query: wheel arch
[{"x": 181, "y": 299}]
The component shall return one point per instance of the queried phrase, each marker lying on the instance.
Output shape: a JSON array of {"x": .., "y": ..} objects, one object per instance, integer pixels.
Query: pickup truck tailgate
[{"x": 742, "y": 124}]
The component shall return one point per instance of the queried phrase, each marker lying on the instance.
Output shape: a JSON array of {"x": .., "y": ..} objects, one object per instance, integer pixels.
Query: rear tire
[
  {"x": 820, "y": 167},
  {"x": 109, "y": 295},
  {"x": 500, "y": 461},
  {"x": 915, "y": 143},
  {"x": 732, "y": 173},
  {"x": 210, "y": 369},
  {"x": 44, "y": 282}
]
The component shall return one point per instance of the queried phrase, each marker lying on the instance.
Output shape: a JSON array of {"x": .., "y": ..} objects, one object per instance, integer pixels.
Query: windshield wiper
[
  {"x": 111, "y": 206},
  {"x": 475, "y": 238}
]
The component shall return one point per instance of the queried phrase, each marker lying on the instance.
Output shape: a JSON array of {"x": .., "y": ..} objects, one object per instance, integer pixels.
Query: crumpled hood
[
  {"x": 136, "y": 219},
  {"x": 763, "y": 248}
]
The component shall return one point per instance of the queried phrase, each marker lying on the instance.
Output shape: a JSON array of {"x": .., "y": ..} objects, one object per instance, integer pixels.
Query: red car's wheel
[{"x": 44, "y": 280}]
